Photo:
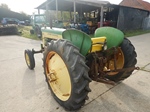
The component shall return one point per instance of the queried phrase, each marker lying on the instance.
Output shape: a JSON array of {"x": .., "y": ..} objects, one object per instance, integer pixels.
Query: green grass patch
[
  {"x": 25, "y": 32},
  {"x": 135, "y": 32},
  {"x": 131, "y": 33}
]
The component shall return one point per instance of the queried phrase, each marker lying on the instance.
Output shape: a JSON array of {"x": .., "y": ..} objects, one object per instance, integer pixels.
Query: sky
[{"x": 28, "y": 6}]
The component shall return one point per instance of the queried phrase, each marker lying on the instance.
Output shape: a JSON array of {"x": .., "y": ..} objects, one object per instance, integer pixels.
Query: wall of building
[
  {"x": 146, "y": 23},
  {"x": 131, "y": 18}
]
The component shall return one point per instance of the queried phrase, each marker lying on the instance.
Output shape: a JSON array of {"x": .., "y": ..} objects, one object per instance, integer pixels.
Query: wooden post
[
  {"x": 47, "y": 5},
  {"x": 56, "y": 9},
  {"x": 70, "y": 15},
  {"x": 38, "y": 11},
  {"x": 62, "y": 16},
  {"x": 74, "y": 11},
  {"x": 101, "y": 15}
]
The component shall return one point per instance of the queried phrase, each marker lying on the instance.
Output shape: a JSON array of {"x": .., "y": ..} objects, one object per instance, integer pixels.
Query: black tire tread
[
  {"x": 31, "y": 58},
  {"x": 130, "y": 60},
  {"x": 78, "y": 73}
]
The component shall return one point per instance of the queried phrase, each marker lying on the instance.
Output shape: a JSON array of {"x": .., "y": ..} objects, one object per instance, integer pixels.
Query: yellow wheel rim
[
  {"x": 119, "y": 63},
  {"x": 27, "y": 59},
  {"x": 58, "y": 76}
]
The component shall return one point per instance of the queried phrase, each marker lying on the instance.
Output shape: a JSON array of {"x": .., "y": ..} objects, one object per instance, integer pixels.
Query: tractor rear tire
[
  {"x": 129, "y": 61},
  {"x": 29, "y": 58},
  {"x": 66, "y": 74}
]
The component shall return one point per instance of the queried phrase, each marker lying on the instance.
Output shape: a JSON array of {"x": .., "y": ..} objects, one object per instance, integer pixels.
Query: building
[
  {"x": 139, "y": 4},
  {"x": 138, "y": 16},
  {"x": 121, "y": 16}
]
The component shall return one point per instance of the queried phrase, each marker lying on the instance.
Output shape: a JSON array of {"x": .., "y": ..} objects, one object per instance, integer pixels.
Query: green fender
[
  {"x": 79, "y": 39},
  {"x": 114, "y": 37}
]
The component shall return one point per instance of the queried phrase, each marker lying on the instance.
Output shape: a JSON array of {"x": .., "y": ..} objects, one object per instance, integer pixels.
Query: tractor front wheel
[
  {"x": 66, "y": 74},
  {"x": 29, "y": 58}
]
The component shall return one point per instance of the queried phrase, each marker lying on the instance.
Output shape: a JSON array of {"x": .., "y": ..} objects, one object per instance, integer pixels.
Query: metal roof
[
  {"x": 67, "y": 5},
  {"x": 140, "y": 4}
]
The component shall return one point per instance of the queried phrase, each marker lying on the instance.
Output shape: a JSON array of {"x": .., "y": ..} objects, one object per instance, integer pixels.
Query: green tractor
[
  {"x": 38, "y": 21},
  {"x": 72, "y": 59}
]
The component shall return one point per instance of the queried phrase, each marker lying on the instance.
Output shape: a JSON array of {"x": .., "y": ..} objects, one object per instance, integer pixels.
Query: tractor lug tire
[
  {"x": 30, "y": 61},
  {"x": 77, "y": 69},
  {"x": 130, "y": 60}
]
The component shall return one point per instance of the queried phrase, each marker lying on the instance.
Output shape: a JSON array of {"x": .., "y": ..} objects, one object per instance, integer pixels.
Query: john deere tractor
[{"x": 72, "y": 59}]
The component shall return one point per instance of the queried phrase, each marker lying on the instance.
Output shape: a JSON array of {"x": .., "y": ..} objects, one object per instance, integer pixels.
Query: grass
[
  {"x": 135, "y": 32},
  {"x": 25, "y": 32},
  {"x": 131, "y": 33}
]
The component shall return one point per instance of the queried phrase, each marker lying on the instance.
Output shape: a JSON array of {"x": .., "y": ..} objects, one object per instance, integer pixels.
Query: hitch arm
[
  {"x": 124, "y": 69},
  {"x": 35, "y": 52}
]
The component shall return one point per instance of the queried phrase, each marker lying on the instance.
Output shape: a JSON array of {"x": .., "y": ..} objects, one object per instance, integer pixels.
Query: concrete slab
[
  {"x": 97, "y": 90},
  {"x": 23, "y": 90},
  {"x": 132, "y": 95},
  {"x": 142, "y": 47},
  {"x": 147, "y": 68}
]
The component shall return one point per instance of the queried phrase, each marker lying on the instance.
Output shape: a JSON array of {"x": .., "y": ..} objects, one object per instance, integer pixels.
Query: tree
[
  {"x": 4, "y": 6},
  {"x": 23, "y": 13}
]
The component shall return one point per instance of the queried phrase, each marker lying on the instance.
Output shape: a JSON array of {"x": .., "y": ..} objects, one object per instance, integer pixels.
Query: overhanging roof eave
[{"x": 95, "y": 3}]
